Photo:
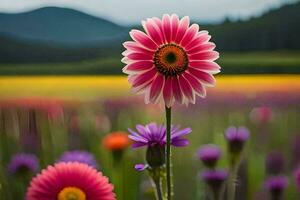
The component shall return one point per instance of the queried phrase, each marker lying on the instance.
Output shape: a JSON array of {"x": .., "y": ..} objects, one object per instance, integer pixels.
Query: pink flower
[
  {"x": 171, "y": 62},
  {"x": 70, "y": 180}
]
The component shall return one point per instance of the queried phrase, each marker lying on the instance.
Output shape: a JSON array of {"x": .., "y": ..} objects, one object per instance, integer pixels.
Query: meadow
[
  {"x": 76, "y": 112},
  {"x": 257, "y": 62}
]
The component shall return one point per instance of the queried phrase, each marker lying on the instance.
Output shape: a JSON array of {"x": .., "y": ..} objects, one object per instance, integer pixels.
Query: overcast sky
[{"x": 132, "y": 11}]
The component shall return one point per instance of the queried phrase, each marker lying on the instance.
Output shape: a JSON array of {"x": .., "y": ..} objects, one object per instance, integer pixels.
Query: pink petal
[
  {"x": 153, "y": 30},
  {"x": 186, "y": 89},
  {"x": 182, "y": 28},
  {"x": 202, "y": 37},
  {"x": 195, "y": 84},
  {"x": 205, "y": 55},
  {"x": 203, "y": 77},
  {"x": 190, "y": 34},
  {"x": 134, "y": 46},
  {"x": 167, "y": 92},
  {"x": 140, "y": 56},
  {"x": 144, "y": 77},
  {"x": 166, "y": 22},
  {"x": 156, "y": 87},
  {"x": 143, "y": 39},
  {"x": 138, "y": 66},
  {"x": 205, "y": 66},
  {"x": 176, "y": 90},
  {"x": 174, "y": 26},
  {"x": 209, "y": 46}
]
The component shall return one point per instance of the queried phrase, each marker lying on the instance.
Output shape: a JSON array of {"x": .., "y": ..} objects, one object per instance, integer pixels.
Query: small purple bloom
[
  {"x": 276, "y": 185},
  {"x": 236, "y": 138},
  {"x": 297, "y": 177},
  {"x": 209, "y": 154},
  {"x": 153, "y": 134},
  {"x": 140, "y": 167},
  {"x": 23, "y": 163},
  {"x": 79, "y": 156},
  {"x": 274, "y": 163},
  {"x": 215, "y": 178}
]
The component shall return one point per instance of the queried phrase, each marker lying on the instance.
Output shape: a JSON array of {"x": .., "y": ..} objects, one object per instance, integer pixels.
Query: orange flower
[{"x": 116, "y": 141}]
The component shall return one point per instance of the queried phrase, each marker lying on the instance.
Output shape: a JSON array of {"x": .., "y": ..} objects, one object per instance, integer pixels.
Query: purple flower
[
  {"x": 140, "y": 167},
  {"x": 153, "y": 134},
  {"x": 236, "y": 138},
  {"x": 215, "y": 179},
  {"x": 274, "y": 163},
  {"x": 79, "y": 156},
  {"x": 23, "y": 163},
  {"x": 297, "y": 177},
  {"x": 209, "y": 154},
  {"x": 276, "y": 185}
]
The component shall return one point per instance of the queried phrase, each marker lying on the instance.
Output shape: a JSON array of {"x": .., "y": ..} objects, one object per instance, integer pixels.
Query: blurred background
[{"x": 62, "y": 88}]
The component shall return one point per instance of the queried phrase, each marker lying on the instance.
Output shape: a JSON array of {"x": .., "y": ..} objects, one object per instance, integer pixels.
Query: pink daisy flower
[
  {"x": 71, "y": 180},
  {"x": 171, "y": 62}
]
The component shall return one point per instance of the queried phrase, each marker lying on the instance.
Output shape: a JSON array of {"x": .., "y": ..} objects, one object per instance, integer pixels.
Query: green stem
[
  {"x": 231, "y": 186},
  {"x": 159, "y": 194},
  {"x": 168, "y": 154}
]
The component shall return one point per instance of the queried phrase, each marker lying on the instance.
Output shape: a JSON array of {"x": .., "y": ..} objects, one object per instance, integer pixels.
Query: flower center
[
  {"x": 71, "y": 193},
  {"x": 171, "y": 59}
]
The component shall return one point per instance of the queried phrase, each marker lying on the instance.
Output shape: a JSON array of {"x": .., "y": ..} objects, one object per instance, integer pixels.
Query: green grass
[{"x": 278, "y": 62}]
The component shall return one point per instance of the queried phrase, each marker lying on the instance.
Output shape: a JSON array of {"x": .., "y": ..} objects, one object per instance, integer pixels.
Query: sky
[{"x": 133, "y": 11}]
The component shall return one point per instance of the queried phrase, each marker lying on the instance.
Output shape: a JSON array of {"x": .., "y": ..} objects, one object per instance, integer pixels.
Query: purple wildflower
[
  {"x": 274, "y": 163},
  {"x": 209, "y": 154},
  {"x": 153, "y": 134},
  {"x": 23, "y": 163},
  {"x": 215, "y": 179},
  {"x": 276, "y": 185},
  {"x": 79, "y": 156},
  {"x": 236, "y": 138}
]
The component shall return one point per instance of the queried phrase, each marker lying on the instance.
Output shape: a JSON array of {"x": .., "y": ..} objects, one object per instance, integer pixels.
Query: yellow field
[{"x": 87, "y": 87}]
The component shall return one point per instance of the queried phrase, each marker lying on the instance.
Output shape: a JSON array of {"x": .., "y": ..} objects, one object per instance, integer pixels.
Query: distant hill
[
  {"x": 61, "y": 26},
  {"x": 54, "y": 34},
  {"x": 277, "y": 29}
]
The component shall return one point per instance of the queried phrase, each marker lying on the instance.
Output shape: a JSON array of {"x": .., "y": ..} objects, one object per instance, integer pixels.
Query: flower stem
[
  {"x": 168, "y": 154},
  {"x": 232, "y": 181},
  {"x": 159, "y": 194}
]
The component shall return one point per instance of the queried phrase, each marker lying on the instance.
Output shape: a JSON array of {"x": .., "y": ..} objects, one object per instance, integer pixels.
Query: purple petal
[{"x": 140, "y": 167}]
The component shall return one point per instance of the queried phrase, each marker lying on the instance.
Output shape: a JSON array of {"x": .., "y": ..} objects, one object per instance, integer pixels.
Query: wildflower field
[{"x": 55, "y": 119}]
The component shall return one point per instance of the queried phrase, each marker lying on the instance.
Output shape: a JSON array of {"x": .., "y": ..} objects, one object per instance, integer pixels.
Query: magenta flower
[
  {"x": 209, "y": 154},
  {"x": 172, "y": 62},
  {"x": 153, "y": 134},
  {"x": 215, "y": 179},
  {"x": 70, "y": 181},
  {"x": 23, "y": 163}
]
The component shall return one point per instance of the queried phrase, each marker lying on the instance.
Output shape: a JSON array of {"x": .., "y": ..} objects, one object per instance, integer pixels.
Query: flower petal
[
  {"x": 138, "y": 66},
  {"x": 186, "y": 89},
  {"x": 201, "y": 38},
  {"x": 181, "y": 133},
  {"x": 167, "y": 92},
  {"x": 143, "y": 39},
  {"x": 156, "y": 87},
  {"x": 166, "y": 22},
  {"x": 136, "y": 47},
  {"x": 203, "y": 77},
  {"x": 209, "y": 46},
  {"x": 153, "y": 30},
  {"x": 195, "y": 84},
  {"x": 180, "y": 142},
  {"x": 139, "y": 56},
  {"x": 174, "y": 27},
  {"x": 176, "y": 90},
  {"x": 144, "y": 78},
  {"x": 206, "y": 66},
  {"x": 182, "y": 28},
  {"x": 206, "y": 55},
  {"x": 190, "y": 34}
]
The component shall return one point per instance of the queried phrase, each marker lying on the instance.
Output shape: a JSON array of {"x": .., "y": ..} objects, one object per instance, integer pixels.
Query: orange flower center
[
  {"x": 71, "y": 193},
  {"x": 171, "y": 59}
]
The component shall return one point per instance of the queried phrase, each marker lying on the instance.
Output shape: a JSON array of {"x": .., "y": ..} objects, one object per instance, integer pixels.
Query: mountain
[
  {"x": 53, "y": 34},
  {"x": 60, "y": 26}
]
